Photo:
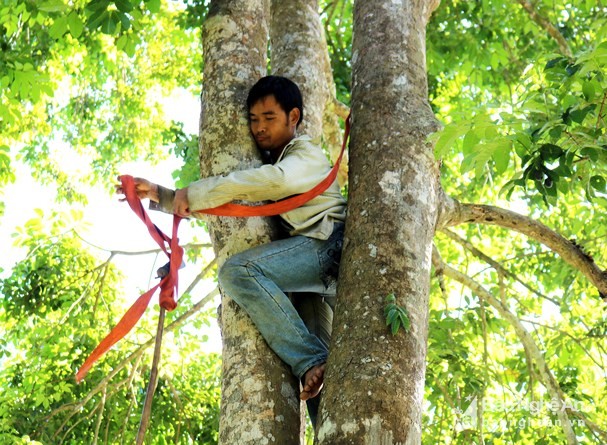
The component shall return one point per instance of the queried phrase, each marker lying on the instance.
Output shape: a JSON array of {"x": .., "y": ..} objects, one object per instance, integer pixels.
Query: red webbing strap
[
  {"x": 276, "y": 208},
  {"x": 168, "y": 285}
]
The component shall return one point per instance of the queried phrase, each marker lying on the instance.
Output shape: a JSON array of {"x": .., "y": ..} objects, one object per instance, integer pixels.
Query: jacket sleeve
[{"x": 296, "y": 173}]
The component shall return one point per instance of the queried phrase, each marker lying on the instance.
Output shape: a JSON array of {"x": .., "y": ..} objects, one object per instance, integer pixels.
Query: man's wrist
[{"x": 154, "y": 196}]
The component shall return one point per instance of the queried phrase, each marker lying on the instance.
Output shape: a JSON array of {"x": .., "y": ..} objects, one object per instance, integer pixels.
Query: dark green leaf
[
  {"x": 395, "y": 326},
  {"x": 591, "y": 153},
  {"x": 52, "y": 6},
  {"x": 551, "y": 152},
  {"x": 96, "y": 18},
  {"x": 598, "y": 183},
  {"x": 123, "y": 5},
  {"x": 97, "y": 5},
  {"x": 125, "y": 21},
  {"x": 554, "y": 62},
  {"x": 108, "y": 26}
]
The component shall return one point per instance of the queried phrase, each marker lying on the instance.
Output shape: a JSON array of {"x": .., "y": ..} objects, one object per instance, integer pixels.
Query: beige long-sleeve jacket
[{"x": 301, "y": 166}]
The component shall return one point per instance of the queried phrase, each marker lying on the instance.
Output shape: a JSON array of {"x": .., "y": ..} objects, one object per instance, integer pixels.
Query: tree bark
[
  {"x": 259, "y": 403},
  {"x": 375, "y": 381}
]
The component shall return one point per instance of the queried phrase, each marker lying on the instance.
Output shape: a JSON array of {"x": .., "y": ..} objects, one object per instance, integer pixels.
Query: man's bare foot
[{"x": 313, "y": 379}]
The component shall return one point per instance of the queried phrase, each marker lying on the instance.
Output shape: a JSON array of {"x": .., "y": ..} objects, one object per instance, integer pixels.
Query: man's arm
[
  {"x": 161, "y": 198},
  {"x": 303, "y": 168}
]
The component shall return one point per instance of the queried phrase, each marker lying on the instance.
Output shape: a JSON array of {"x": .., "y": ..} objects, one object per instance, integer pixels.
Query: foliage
[
  {"x": 94, "y": 76},
  {"x": 524, "y": 129},
  {"x": 396, "y": 315},
  {"x": 337, "y": 20},
  {"x": 57, "y": 304}
]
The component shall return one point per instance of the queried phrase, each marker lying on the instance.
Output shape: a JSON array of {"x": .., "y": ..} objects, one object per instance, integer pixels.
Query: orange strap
[{"x": 168, "y": 285}]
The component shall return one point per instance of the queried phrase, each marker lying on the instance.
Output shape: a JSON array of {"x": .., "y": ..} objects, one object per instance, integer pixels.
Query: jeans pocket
[{"x": 329, "y": 257}]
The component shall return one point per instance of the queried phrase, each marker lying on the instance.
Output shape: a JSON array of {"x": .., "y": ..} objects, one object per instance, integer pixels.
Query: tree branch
[
  {"x": 453, "y": 213},
  {"x": 100, "y": 415},
  {"x": 549, "y": 381},
  {"x": 497, "y": 266},
  {"x": 545, "y": 24},
  {"x": 576, "y": 340},
  {"x": 76, "y": 407},
  {"x": 153, "y": 382}
]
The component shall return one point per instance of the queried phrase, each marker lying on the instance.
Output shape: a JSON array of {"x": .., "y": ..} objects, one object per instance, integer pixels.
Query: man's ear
[{"x": 294, "y": 115}]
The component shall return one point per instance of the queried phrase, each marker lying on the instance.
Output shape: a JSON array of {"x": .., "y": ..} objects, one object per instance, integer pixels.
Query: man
[{"x": 303, "y": 263}]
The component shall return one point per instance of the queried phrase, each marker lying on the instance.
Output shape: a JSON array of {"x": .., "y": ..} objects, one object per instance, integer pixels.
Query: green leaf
[
  {"x": 579, "y": 115},
  {"x": 96, "y": 5},
  {"x": 471, "y": 140},
  {"x": 124, "y": 21},
  {"x": 395, "y": 326},
  {"x": 598, "y": 183},
  {"x": 108, "y": 26},
  {"x": 75, "y": 24},
  {"x": 96, "y": 18},
  {"x": 124, "y": 5},
  {"x": 405, "y": 320},
  {"x": 121, "y": 42},
  {"x": 501, "y": 157},
  {"x": 59, "y": 28},
  {"x": 392, "y": 316},
  {"x": 551, "y": 152},
  {"x": 153, "y": 5},
  {"x": 52, "y": 6},
  {"x": 447, "y": 137},
  {"x": 589, "y": 90},
  {"x": 591, "y": 153},
  {"x": 396, "y": 316}
]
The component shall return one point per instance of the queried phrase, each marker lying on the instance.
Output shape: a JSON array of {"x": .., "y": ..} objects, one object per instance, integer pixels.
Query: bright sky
[{"x": 111, "y": 225}]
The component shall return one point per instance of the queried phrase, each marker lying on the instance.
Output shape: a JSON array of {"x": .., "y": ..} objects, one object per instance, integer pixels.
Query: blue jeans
[{"x": 259, "y": 279}]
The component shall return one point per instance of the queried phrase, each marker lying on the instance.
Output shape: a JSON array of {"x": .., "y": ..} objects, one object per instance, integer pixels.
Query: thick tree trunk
[
  {"x": 259, "y": 402},
  {"x": 375, "y": 381}
]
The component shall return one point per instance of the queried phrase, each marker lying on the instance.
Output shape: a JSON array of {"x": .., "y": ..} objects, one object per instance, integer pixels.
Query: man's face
[{"x": 271, "y": 127}]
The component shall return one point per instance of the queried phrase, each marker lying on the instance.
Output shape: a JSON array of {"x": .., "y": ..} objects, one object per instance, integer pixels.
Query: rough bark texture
[
  {"x": 259, "y": 402},
  {"x": 375, "y": 381}
]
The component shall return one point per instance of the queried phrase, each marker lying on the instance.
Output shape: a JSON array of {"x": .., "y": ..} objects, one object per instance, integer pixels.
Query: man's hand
[
  {"x": 181, "y": 205},
  {"x": 144, "y": 189}
]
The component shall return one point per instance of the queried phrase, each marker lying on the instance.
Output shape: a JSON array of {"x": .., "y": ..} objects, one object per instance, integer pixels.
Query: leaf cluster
[{"x": 396, "y": 315}]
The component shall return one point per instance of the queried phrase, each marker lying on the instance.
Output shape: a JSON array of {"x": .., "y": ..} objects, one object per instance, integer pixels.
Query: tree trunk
[
  {"x": 375, "y": 381},
  {"x": 259, "y": 395}
]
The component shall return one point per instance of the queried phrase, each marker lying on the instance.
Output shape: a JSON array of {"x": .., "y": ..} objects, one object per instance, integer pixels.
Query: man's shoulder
[{"x": 303, "y": 142}]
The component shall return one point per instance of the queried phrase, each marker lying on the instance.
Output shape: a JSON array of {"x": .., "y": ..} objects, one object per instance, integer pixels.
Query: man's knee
[{"x": 231, "y": 271}]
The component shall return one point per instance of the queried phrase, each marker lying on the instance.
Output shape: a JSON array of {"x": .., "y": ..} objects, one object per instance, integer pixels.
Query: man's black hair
[{"x": 285, "y": 91}]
